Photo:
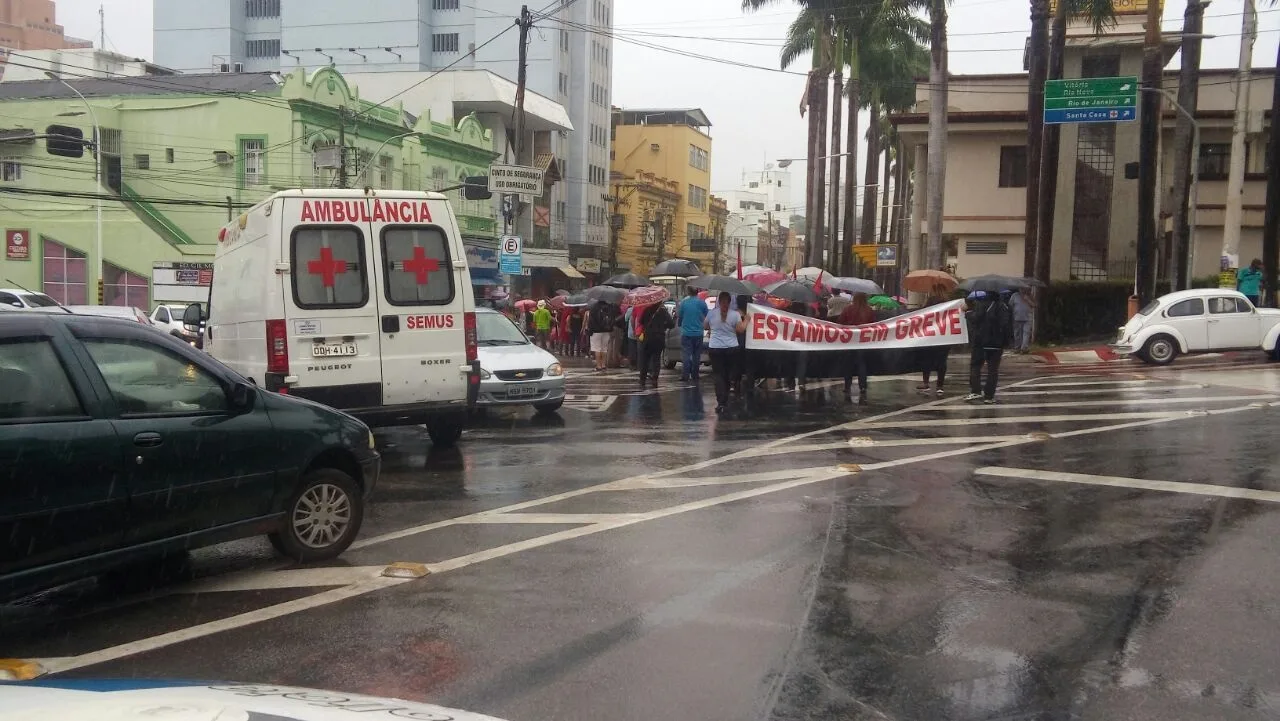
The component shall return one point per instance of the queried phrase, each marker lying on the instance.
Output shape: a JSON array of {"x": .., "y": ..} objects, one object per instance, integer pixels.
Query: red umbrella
[
  {"x": 646, "y": 295},
  {"x": 764, "y": 277},
  {"x": 526, "y": 304},
  {"x": 558, "y": 302}
]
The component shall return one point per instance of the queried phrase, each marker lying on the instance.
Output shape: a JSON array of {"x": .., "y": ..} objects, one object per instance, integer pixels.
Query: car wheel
[
  {"x": 444, "y": 434},
  {"x": 550, "y": 407},
  {"x": 322, "y": 517},
  {"x": 1160, "y": 350}
]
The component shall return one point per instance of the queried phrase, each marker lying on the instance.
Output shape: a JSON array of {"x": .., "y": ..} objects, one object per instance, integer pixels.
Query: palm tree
[
  {"x": 1271, "y": 221},
  {"x": 937, "y": 159}
]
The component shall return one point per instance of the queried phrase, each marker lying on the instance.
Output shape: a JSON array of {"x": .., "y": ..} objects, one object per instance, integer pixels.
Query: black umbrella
[
  {"x": 993, "y": 283},
  {"x": 577, "y": 300},
  {"x": 627, "y": 280},
  {"x": 723, "y": 283},
  {"x": 792, "y": 290},
  {"x": 606, "y": 293},
  {"x": 677, "y": 267}
]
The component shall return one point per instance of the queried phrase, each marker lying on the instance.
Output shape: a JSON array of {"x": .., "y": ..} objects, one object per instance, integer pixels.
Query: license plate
[
  {"x": 332, "y": 350},
  {"x": 522, "y": 391}
]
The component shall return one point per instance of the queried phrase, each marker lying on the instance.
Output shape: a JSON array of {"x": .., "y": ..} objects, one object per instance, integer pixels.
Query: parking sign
[{"x": 510, "y": 255}]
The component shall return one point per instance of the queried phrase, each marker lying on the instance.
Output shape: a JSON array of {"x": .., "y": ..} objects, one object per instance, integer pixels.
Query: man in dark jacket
[
  {"x": 990, "y": 329},
  {"x": 655, "y": 321}
]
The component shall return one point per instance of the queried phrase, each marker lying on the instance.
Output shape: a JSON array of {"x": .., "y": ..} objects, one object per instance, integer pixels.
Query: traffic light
[{"x": 476, "y": 188}]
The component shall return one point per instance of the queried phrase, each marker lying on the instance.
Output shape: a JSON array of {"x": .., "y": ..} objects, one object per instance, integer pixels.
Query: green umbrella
[{"x": 882, "y": 302}]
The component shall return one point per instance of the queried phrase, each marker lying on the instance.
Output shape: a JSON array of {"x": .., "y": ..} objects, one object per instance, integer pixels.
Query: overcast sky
[{"x": 754, "y": 113}]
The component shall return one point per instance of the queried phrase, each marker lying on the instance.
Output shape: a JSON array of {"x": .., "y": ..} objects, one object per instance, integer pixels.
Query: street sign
[
  {"x": 1091, "y": 100},
  {"x": 520, "y": 179},
  {"x": 886, "y": 256},
  {"x": 510, "y": 255},
  {"x": 17, "y": 245}
]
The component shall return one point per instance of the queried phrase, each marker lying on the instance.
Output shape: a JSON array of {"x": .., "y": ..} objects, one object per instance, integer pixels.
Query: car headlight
[
  {"x": 485, "y": 375},
  {"x": 555, "y": 370},
  {"x": 372, "y": 444}
]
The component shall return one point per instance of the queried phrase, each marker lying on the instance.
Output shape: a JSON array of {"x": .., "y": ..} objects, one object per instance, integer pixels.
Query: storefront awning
[{"x": 571, "y": 272}]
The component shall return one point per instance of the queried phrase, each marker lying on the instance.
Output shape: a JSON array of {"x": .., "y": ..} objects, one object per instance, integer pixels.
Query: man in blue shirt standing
[
  {"x": 690, "y": 315},
  {"x": 1249, "y": 282}
]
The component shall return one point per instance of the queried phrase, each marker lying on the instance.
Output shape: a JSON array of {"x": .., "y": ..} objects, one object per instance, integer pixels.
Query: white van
[{"x": 360, "y": 300}]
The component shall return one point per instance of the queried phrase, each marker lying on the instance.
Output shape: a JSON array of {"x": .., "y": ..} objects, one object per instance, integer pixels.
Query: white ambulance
[{"x": 357, "y": 299}]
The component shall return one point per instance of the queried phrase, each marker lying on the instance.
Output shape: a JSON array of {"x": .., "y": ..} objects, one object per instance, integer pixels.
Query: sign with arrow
[{"x": 1091, "y": 100}]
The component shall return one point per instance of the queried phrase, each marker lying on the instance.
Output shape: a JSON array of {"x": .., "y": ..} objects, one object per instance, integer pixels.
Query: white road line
[
  {"x": 638, "y": 484},
  {"x": 940, "y": 441},
  {"x": 999, "y": 420},
  {"x": 339, "y": 594},
  {"x": 1199, "y": 489},
  {"x": 1084, "y": 391},
  {"x": 552, "y": 518},
  {"x": 291, "y": 578},
  {"x": 1129, "y": 402},
  {"x": 1074, "y": 384}
]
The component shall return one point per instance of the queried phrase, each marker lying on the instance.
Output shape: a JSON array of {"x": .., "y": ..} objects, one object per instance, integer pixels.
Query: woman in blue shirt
[
  {"x": 725, "y": 323},
  {"x": 1249, "y": 281}
]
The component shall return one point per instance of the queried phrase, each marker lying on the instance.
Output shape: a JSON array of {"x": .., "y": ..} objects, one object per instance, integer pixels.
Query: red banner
[
  {"x": 773, "y": 329},
  {"x": 17, "y": 245}
]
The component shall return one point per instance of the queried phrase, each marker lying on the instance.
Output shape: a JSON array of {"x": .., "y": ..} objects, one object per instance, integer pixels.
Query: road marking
[
  {"x": 1129, "y": 402},
  {"x": 1082, "y": 391},
  {"x": 589, "y": 403},
  {"x": 290, "y": 578},
  {"x": 551, "y": 518},
  {"x": 643, "y": 483},
  {"x": 1199, "y": 489},
  {"x": 1074, "y": 384},
  {"x": 998, "y": 420}
]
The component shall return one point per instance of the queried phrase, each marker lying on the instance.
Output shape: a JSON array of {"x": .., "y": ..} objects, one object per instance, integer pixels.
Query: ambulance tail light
[
  {"x": 469, "y": 332},
  {"x": 277, "y": 347}
]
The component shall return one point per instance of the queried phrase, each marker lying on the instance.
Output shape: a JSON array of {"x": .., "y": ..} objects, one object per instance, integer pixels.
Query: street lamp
[
  {"x": 1195, "y": 173},
  {"x": 365, "y": 169},
  {"x": 786, "y": 162},
  {"x": 97, "y": 178}
]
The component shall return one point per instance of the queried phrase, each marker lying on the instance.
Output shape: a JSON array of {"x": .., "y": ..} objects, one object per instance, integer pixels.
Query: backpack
[{"x": 598, "y": 321}]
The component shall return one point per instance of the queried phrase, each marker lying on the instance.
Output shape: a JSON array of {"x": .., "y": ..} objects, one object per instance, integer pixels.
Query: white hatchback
[
  {"x": 1200, "y": 320},
  {"x": 514, "y": 371}
]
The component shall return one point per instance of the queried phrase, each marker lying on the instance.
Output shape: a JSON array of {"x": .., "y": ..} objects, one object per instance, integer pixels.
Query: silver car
[{"x": 514, "y": 371}]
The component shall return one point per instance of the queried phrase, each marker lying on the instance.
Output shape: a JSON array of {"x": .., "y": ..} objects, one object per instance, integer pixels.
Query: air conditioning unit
[
  {"x": 326, "y": 157},
  {"x": 224, "y": 67},
  {"x": 238, "y": 67},
  {"x": 222, "y": 157}
]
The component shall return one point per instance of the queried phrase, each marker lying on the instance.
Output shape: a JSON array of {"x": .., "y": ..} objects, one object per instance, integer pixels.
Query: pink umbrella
[
  {"x": 646, "y": 295},
  {"x": 526, "y": 304},
  {"x": 764, "y": 277}
]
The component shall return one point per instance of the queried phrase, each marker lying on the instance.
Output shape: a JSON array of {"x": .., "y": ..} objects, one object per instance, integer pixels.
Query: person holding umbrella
[
  {"x": 990, "y": 330},
  {"x": 858, "y": 312},
  {"x": 655, "y": 321},
  {"x": 600, "y": 325},
  {"x": 935, "y": 359},
  {"x": 725, "y": 324}
]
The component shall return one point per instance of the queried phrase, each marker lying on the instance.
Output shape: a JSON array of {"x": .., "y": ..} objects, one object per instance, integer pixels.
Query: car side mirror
[
  {"x": 242, "y": 395},
  {"x": 192, "y": 315}
]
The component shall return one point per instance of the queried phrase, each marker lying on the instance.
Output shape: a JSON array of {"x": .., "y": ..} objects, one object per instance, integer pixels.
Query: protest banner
[{"x": 772, "y": 329}]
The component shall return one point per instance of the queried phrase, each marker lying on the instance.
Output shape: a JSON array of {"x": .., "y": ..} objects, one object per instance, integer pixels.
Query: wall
[
  {"x": 634, "y": 153},
  {"x": 188, "y": 34}
]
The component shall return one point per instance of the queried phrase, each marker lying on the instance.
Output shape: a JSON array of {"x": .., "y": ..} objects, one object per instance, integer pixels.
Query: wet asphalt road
[{"x": 1099, "y": 545}]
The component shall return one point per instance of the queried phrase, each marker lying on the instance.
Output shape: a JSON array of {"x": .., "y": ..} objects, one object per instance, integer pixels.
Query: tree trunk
[
  {"x": 884, "y": 192},
  {"x": 1148, "y": 145},
  {"x": 1271, "y": 222},
  {"x": 869, "y": 197},
  {"x": 899, "y": 200},
  {"x": 1038, "y": 69},
  {"x": 811, "y": 236},
  {"x": 1047, "y": 188},
  {"x": 1184, "y": 150},
  {"x": 937, "y": 158},
  {"x": 851, "y": 160},
  {"x": 837, "y": 124},
  {"x": 820, "y": 177}
]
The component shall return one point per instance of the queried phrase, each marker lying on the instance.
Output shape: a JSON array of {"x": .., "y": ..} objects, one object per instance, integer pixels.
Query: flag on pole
[
  {"x": 739, "y": 261},
  {"x": 817, "y": 283}
]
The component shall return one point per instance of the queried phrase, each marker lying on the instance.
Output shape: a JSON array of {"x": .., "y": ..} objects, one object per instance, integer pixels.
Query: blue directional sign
[
  {"x": 1090, "y": 115},
  {"x": 1091, "y": 100}
]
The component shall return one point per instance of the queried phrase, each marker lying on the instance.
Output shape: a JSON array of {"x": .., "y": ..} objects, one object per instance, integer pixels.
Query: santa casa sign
[{"x": 362, "y": 211}]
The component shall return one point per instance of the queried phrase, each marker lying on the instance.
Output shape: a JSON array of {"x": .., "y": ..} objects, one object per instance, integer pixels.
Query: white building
[
  {"x": 567, "y": 64},
  {"x": 764, "y": 195},
  {"x": 77, "y": 63}
]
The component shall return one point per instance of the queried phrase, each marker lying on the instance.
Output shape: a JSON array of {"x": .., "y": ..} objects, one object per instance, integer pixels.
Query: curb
[{"x": 1101, "y": 354}]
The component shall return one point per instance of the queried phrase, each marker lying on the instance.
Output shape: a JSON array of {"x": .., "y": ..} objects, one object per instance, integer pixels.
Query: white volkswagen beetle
[{"x": 1197, "y": 321}]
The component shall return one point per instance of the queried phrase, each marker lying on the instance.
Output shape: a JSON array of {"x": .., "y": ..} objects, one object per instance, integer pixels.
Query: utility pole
[
  {"x": 102, "y": 28},
  {"x": 1239, "y": 128},
  {"x": 1271, "y": 221},
  {"x": 1148, "y": 146},
  {"x": 1038, "y": 70},
  {"x": 525, "y": 23},
  {"x": 342, "y": 147},
  {"x": 1051, "y": 147},
  {"x": 1185, "y": 145}
]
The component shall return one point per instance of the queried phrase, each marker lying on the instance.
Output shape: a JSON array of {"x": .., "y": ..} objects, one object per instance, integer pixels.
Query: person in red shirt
[{"x": 858, "y": 312}]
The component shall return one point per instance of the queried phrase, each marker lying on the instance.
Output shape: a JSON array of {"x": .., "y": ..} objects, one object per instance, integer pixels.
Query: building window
[
  {"x": 142, "y": 162},
  {"x": 1215, "y": 158},
  {"x": 10, "y": 171},
  {"x": 699, "y": 158},
  {"x": 697, "y": 197},
  {"x": 444, "y": 4},
  {"x": 251, "y": 156},
  {"x": 564, "y": 40},
  {"x": 120, "y": 287},
  {"x": 262, "y": 8},
  {"x": 564, "y": 84},
  {"x": 168, "y": 155},
  {"x": 1013, "y": 166},
  {"x": 262, "y": 48},
  {"x": 562, "y": 209},
  {"x": 111, "y": 141},
  {"x": 444, "y": 43},
  {"x": 753, "y": 184},
  {"x": 384, "y": 171},
  {"x": 1100, "y": 66},
  {"x": 65, "y": 274}
]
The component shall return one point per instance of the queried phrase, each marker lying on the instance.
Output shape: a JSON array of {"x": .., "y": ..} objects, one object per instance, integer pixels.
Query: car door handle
[
  {"x": 390, "y": 324},
  {"x": 147, "y": 440}
]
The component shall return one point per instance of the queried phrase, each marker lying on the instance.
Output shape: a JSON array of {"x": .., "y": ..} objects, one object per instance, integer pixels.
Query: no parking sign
[{"x": 510, "y": 255}]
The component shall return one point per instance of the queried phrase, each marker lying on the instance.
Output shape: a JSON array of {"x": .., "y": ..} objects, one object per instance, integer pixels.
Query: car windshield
[
  {"x": 39, "y": 300},
  {"x": 494, "y": 329}
]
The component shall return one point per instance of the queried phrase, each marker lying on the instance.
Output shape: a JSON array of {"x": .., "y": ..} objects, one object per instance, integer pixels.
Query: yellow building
[{"x": 662, "y": 164}]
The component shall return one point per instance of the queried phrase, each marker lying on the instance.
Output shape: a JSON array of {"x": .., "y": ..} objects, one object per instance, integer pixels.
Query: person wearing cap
[{"x": 542, "y": 325}]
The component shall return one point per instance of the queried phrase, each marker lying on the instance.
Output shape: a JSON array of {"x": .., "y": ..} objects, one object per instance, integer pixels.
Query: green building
[{"x": 182, "y": 154}]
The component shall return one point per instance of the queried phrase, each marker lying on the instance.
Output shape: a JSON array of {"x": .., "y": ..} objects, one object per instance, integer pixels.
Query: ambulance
[{"x": 357, "y": 299}]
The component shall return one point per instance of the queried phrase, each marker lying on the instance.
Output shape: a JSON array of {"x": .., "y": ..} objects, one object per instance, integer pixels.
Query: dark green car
[{"x": 119, "y": 443}]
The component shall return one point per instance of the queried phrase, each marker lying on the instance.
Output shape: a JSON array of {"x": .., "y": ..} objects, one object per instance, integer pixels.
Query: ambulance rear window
[
  {"x": 418, "y": 269},
  {"x": 328, "y": 268}
]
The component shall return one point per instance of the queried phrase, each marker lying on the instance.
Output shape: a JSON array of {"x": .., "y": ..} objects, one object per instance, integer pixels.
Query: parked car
[
  {"x": 514, "y": 371},
  {"x": 169, "y": 319},
  {"x": 123, "y": 312},
  {"x": 119, "y": 444},
  {"x": 24, "y": 299},
  {"x": 1197, "y": 321},
  {"x": 673, "y": 353}
]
